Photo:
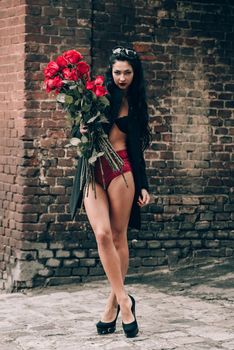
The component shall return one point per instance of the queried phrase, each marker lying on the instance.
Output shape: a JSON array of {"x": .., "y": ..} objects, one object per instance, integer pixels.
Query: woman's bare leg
[
  {"x": 98, "y": 212},
  {"x": 111, "y": 305},
  {"x": 120, "y": 208}
]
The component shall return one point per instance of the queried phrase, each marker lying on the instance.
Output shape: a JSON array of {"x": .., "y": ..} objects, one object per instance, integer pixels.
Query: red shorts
[{"x": 108, "y": 174}]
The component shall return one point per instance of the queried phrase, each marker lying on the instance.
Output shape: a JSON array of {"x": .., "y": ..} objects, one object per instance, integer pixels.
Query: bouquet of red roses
[{"x": 85, "y": 103}]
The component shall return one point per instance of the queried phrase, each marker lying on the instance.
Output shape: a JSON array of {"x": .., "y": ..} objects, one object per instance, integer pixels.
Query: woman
[{"x": 115, "y": 205}]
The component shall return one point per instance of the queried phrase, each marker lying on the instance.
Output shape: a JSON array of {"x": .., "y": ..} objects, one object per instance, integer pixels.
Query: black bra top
[{"x": 122, "y": 123}]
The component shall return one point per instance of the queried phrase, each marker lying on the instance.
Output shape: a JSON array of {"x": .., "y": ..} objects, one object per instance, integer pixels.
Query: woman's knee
[
  {"x": 119, "y": 238},
  {"x": 103, "y": 236}
]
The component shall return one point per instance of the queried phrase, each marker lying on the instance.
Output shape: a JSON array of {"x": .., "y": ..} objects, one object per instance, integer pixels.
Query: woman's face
[{"x": 122, "y": 73}]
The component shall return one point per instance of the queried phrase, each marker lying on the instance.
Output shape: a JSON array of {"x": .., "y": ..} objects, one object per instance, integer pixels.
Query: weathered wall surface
[
  {"x": 187, "y": 51},
  {"x": 12, "y": 33}
]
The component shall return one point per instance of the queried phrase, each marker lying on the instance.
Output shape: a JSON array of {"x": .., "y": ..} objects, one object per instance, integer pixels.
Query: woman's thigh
[
  {"x": 120, "y": 201},
  {"x": 97, "y": 209}
]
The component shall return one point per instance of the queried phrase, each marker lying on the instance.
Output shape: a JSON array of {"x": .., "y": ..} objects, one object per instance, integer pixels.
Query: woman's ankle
[
  {"x": 111, "y": 305},
  {"x": 112, "y": 300},
  {"x": 124, "y": 300}
]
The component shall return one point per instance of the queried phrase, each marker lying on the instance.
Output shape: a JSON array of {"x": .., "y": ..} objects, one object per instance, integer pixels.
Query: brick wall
[
  {"x": 12, "y": 29},
  {"x": 49, "y": 167},
  {"x": 187, "y": 52}
]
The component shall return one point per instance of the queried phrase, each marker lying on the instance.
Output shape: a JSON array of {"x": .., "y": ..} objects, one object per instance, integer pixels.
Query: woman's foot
[
  {"x": 107, "y": 324},
  {"x": 109, "y": 313},
  {"x": 108, "y": 327},
  {"x": 131, "y": 329},
  {"x": 126, "y": 310}
]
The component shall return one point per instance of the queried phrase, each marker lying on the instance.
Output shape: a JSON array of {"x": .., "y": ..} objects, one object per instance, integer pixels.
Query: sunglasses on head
[{"x": 121, "y": 50}]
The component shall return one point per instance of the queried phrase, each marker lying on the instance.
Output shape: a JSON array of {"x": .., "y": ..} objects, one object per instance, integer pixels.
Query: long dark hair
[{"x": 136, "y": 91}]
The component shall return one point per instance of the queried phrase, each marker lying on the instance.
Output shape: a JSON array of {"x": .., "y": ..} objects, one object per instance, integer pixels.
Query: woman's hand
[
  {"x": 144, "y": 198},
  {"x": 83, "y": 129}
]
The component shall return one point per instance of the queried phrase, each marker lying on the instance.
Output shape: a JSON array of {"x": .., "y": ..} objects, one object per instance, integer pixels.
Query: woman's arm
[
  {"x": 144, "y": 180},
  {"x": 144, "y": 197}
]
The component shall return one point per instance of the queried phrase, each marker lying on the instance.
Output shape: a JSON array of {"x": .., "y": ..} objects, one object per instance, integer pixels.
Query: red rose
[
  {"x": 48, "y": 84},
  {"x": 53, "y": 84},
  {"x": 87, "y": 76},
  {"x": 51, "y": 69},
  {"x": 72, "y": 56},
  {"x": 100, "y": 90},
  {"x": 70, "y": 74},
  {"x": 61, "y": 61},
  {"x": 82, "y": 68},
  {"x": 74, "y": 74},
  {"x": 66, "y": 73},
  {"x": 90, "y": 85},
  {"x": 96, "y": 86},
  {"x": 99, "y": 80},
  {"x": 57, "y": 82}
]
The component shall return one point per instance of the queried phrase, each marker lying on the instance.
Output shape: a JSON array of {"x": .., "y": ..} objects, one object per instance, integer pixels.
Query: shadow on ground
[{"x": 209, "y": 281}]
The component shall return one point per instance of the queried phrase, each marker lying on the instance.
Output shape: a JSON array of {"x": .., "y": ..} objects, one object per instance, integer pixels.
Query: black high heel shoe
[
  {"x": 131, "y": 329},
  {"x": 107, "y": 327}
]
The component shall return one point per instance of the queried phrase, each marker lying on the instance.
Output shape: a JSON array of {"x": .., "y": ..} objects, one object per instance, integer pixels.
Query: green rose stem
[
  {"x": 111, "y": 156},
  {"x": 88, "y": 170}
]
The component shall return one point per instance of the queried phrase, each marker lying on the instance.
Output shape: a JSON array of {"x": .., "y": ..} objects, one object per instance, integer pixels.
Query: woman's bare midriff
[{"x": 117, "y": 138}]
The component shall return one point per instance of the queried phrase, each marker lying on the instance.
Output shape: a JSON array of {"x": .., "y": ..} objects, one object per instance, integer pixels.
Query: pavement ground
[{"x": 190, "y": 308}]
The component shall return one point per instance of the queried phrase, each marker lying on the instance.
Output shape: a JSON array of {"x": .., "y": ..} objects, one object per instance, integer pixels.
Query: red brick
[{"x": 190, "y": 102}]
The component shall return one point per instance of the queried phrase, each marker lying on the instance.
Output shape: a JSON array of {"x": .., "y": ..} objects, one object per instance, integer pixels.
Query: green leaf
[
  {"x": 72, "y": 87},
  {"x": 91, "y": 120},
  {"x": 103, "y": 119},
  {"x": 68, "y": 99},
  {"x": 67, "y": 82},
  {"x": 100, "y": 154},
  {"x": 92, "y": 159},
  {"x": 104, "y": 100},
  {"x": 84, "y": 139},
  {"x": 69, "y": 118},
  {"x": 75, "y": 141},
  {"x": 94, "y": 96},
  {"x": 82, "y": 101},
  {"x": 61, "y": 98},
  {"x": 78, "y": 119},
  {"x": 86, "y": 107},
  {"x": 77, "y": 102}
]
